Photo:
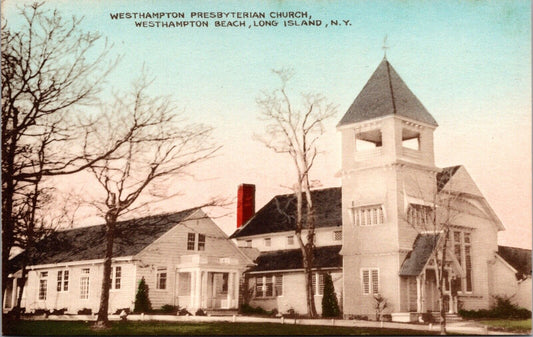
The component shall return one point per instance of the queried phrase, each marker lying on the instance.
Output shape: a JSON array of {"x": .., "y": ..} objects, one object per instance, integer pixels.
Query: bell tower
[{"x": 387, "y": 158}]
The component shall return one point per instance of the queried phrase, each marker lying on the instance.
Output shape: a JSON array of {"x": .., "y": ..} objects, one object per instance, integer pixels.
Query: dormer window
[{"x": 267, "y": 242}]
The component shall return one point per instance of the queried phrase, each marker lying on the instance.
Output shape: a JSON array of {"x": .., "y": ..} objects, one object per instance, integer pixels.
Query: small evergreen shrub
[
  {"x": 200, "y": 312},
  {"x": 142, "y": 301},
  {"x": 330, "y": 305}
]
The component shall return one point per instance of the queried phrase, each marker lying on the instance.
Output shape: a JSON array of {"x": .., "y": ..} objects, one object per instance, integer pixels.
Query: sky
[{"x": 468, "y": 62}]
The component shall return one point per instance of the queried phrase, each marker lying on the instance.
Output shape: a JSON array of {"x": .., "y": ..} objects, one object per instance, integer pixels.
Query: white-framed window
[
  {"x": 84, "y": 283},
  {"x": 201, "y": 242},
  {"x": 318, "y": 284},
  {"x": 161, "y": 278},
  {"x": 192, "y": 238},
  {"x": 268, "y": 242},
  {"x": 419, "y": 215},
  {"x": 248, "y": 243},
  {"x": 268, "y": 285},
  {"x": 462, "y": 248},
  {"x": 370, "y": 281},
  {"x": 368, "y": 215},
  {"x": 278, "y": 279},
  {"x": 43, "y": 285},
  {"x": 184, "y": 284},
  {"x": 337, "y": 236},
  {"x": 62, "y": 280},
  {"x": 116, "y": 277},
  {"x": 191, "y": 241},
  {"x": 290, "y": 240}
]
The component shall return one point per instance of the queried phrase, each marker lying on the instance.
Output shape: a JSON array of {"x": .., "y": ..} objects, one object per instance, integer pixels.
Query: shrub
[
  {"x": 85, "y": 311},
  {"x": 170, "y": 309},
  {"x": 184, "y": 312},
  {"x": 427, "y": 317},
  {"x": 503, "y": 309},
  {"x": 248, "y": 309},
  {"x": 58, "y": 311},
  {"x": 41, "y": 312},
  {"x": 200, "y": 312},
  {"x": 330, "y": 305},
  {"x": 142, "y": 301},
  {"x": 380, "y": 304}
]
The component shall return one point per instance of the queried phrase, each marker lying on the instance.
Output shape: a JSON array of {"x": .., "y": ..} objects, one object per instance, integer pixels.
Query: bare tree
[
  {"x": 436, "y": 216},
  {"x": 49, "y": 67},
  {"x": 156, "y": 145},
  {"x": 295, "y": 131}
]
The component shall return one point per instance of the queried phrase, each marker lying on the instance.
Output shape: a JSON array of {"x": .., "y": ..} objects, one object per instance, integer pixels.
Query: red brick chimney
[{"x": 245, "y": 203}]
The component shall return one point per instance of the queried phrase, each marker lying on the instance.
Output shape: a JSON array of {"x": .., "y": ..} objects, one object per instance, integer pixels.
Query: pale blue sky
[{"x": 469, "y": 62}]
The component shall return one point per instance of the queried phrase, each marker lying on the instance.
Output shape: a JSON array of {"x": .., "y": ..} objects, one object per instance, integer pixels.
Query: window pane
[
  {"x": 190, "y": 241},
  {"x": 84, "y": 287},
  {"x": 290, "y": 240},
  {"x": 366, "y": 282},
  {"x": 279, "y": 285},
  {"x": 184, "y": 288},
  {"x": 161, "y": 278},
  {"x": 268, "y": 286},
  {"x": 375, "y": 281},
  {"x": 59, "y": 280},
  {"x": 42, "y": 289},
  {"x": 468, "y": 262},
  {"x": 118, "y": 276},
  {"x": 259, "y": 286},
  {"x": 201, "y": 242},
  {"x": 65, "y": 280}
]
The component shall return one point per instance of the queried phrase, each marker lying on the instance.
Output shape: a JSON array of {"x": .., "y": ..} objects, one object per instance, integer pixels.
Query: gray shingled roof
[
  {"x": 88, "y": 243},
  {"x": 278, "y": 215},
  {"x": 324, "y": 257},
  {"x": 417, "y": 258},
  {"x": 519, "y": 258},
  {"x": 445, "y": 175},
  {"x": 385, "y": 94}
]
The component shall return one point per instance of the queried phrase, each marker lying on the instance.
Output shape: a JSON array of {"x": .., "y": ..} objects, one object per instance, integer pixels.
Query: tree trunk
[
  {"x": 20, "y": 291},
  {"x": 308, "y": 271},
  {"x": 102, "y": 319}
]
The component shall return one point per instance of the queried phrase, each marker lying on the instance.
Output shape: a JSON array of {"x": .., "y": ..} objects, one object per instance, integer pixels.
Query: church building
[{"x": 385, "y": 229}]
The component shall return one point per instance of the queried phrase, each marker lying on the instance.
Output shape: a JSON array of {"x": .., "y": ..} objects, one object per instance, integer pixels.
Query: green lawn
[
  {"x": 55, "y": 328},
  {"x": 509, "y": 325}
]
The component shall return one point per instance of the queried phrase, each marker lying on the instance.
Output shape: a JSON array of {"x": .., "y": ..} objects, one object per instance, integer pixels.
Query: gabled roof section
[
  {"x": 385, "y": 94},
  {"x": 88, "y": 243},
  {"x": 417, "y": 259},
  {"x": 445, "y": 175},
  {"x": 279, "y": 214},
  {"x": 518, "y": 258},
  {"x": 324, "y": 257}
]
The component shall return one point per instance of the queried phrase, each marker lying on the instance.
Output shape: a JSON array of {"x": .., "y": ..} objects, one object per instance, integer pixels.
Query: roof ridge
[{"x": 169, "y": 213}]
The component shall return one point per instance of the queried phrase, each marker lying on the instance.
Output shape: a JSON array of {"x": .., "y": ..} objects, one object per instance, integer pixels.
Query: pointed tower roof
[{"x": 385, "y": 94}]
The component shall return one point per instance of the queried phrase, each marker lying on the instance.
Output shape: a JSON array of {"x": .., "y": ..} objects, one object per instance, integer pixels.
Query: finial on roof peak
[{"x": 385, "y": 47}]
